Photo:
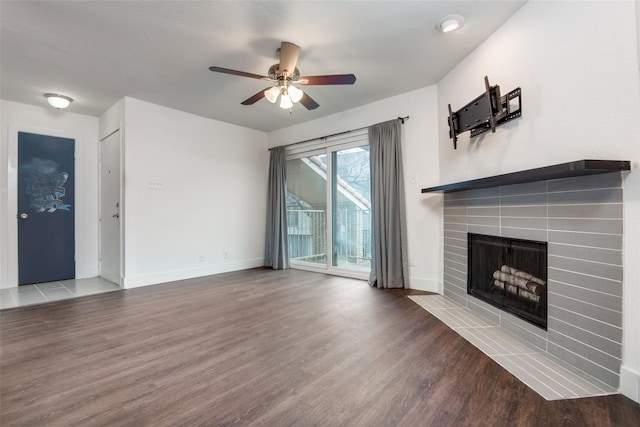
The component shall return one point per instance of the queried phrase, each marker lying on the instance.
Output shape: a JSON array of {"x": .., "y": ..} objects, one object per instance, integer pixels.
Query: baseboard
[
  {"x": 630, "y": 383},
  {"x": 87, "y": 273},
  {"x": 428, "y": 285},
  {"x": 190, "y": 273}
]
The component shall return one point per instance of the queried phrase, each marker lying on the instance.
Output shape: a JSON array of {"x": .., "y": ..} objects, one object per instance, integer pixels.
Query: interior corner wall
[
  {"x": 194, "y": 195},
  {"x": 111, "y": 120},
  {"x": 84, "y": 129},
  {"x": 420, "y": 160},
  {"x": 577, "y": 65}
]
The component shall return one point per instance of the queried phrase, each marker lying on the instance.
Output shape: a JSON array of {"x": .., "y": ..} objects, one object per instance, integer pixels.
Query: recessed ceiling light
[
  {"x": 58, "y": 101},
  {"x": 450, "y": 23}
]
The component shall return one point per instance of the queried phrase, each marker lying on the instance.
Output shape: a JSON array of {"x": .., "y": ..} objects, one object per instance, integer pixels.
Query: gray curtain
[
  {"x": 276, "y": 246},
  {"x": 389, "y": 255}
]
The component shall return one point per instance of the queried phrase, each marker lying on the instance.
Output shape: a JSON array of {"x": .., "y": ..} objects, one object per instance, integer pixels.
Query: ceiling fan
[{"x": 285, "y": 75}]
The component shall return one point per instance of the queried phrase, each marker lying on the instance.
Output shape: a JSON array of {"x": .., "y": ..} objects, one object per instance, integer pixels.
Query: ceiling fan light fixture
[
  {"x": 282, "y": 78},
  {"x": 295, "y": 93},
  {"x": 450, "y": 23},
  {"x": 272, "y": 94},
  {"x": 58, "y": 101},
  {"x": 285, "y": 101}
]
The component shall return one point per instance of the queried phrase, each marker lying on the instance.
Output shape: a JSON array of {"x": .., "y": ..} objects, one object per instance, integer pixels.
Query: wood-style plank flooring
[{"x": 262, "y": 347}]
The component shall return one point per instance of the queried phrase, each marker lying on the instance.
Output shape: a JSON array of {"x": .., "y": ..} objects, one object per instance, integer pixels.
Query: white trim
[
  {"x": 190, "y": 273},
  {"x": 630, "y": 383},
  {"x": 427, "y": 285},
  {"x": 87, "y": 273}
]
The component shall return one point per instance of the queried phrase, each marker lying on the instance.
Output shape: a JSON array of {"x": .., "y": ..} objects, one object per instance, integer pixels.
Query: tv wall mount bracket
[{"x": 486, "y": 112}]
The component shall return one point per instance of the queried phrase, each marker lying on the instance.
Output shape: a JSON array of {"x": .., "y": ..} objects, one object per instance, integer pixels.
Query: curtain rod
[{"x": 402, "y": 119}]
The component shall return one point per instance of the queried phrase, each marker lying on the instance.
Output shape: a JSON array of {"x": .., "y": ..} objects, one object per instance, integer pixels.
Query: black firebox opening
[{"x": 510, "y": 274}]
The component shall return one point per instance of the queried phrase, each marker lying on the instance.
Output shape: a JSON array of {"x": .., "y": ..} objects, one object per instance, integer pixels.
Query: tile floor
[
  {"x": 54, "y": 291},
  {"x": 545, "y": 374}
]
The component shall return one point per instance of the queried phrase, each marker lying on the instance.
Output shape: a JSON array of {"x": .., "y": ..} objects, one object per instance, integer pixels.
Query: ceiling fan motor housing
[{"x": 276, "y": 74}]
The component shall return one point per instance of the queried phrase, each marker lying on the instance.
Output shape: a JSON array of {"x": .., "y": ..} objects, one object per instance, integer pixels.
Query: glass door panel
[
  {"x": 307, "y": 211},
  {"x": 351, "y": 209}
]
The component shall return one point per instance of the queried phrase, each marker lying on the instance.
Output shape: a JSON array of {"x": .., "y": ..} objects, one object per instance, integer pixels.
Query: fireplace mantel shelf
[{"x": 564, "y": 170}]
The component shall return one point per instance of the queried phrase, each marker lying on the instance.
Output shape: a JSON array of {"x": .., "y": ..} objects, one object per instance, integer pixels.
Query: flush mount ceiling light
[
  {"x": 58, "y": 101},
  {"x": 450, "y": 23}
]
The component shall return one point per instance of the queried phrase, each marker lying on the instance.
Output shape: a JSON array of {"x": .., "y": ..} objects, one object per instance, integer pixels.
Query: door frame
[
  {"x": 12, "y": 192},
  {"x": 119, "y": 130}
]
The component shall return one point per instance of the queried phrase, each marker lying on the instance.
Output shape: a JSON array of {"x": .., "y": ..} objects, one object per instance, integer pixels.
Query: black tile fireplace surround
[{"x": 510, "y": 274}]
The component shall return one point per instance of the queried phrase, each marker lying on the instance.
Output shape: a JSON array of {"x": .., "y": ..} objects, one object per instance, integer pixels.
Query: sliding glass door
[
  {"x": 307, "y": 211},
  {"x": 328, "y": 209}
]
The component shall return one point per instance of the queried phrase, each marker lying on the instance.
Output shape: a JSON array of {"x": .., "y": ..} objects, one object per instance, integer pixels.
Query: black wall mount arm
[{"x": 486, "y": 112}]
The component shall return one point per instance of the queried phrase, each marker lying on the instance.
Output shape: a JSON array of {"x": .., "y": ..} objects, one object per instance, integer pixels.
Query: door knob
[
  {"x": 24, "y": 216},
  {"x": 116, "y": 215}
]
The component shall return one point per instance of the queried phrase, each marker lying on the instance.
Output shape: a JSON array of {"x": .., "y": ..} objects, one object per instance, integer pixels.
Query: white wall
[
  {"x": 46, "y": 120},
  {"x": 577, "y": 65},
  {"x": 420, "y": 152},
  {"x": 209, "y": 217},
  {"x": 213, "y": 201}
]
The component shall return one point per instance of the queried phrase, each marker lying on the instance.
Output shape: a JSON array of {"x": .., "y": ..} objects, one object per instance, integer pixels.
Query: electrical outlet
[
  {"x": 201, "y": 257},
  {"x": 226, "y": 254}
]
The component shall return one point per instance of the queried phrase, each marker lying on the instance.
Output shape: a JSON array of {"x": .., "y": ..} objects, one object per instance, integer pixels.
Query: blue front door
[{"x": 46, "y": 231}]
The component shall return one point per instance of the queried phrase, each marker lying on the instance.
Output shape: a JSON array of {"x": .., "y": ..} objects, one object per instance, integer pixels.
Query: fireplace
[
  {"x": 510, "y": 274},
  {"x": 581, "y": 218}
]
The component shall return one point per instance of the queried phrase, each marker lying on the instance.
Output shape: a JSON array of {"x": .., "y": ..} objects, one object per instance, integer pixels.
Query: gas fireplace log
[
  {"x": 524, "y": 284},
  {"x": 515, "y": 290},
  {"x": 523, "y": 274}
]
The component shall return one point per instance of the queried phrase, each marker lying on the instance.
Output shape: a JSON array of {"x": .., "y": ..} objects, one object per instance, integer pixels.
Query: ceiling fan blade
[
  {"x": 255, "y": 98},
  {"x": 308, "y": 102},
  {"x": 288, "y": 57},
  {"x": 335, "y": 79},
  {"x": 238, "y": 73}
]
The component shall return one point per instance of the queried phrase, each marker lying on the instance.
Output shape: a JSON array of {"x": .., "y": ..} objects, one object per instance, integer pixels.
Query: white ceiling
[{"x": 159, "y": 51}]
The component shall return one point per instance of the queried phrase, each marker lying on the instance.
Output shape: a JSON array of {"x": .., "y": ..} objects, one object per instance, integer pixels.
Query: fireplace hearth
[{"x": 510, "y": 274}]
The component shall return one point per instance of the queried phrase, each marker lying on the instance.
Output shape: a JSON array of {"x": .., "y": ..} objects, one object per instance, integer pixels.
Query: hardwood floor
[{"x": 262, "y": 347}]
